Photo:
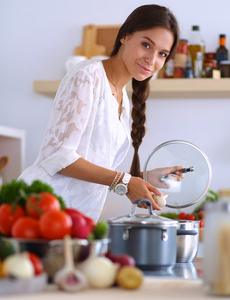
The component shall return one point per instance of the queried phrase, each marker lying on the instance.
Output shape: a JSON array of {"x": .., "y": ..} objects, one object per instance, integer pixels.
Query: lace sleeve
[{"x": 71, "y": 113}]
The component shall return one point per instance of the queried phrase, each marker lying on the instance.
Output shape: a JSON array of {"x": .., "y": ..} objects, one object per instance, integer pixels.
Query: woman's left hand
[{"x": 154, "y": 176}]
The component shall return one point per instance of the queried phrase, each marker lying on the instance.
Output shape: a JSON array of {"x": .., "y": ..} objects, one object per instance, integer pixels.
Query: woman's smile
[{"x": 145, "y": 69}]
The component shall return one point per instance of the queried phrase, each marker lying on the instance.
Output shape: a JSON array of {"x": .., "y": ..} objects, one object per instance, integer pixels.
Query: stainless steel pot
[
  {"x": 150, "y": 239},
  {"x": 187, "y": 240}
]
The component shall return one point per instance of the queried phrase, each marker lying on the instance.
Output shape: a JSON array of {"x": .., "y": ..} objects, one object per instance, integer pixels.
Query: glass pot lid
[
  {"x": 196, "y": 181},
  {"x": 136, "y": 220}
]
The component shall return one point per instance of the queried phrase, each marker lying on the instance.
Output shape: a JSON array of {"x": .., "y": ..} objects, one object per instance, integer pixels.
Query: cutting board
[{"x": 97, "y": 40}]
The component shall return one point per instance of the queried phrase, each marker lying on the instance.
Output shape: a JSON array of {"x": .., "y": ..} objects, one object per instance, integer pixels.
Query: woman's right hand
[{"x": 141, "y": 189}]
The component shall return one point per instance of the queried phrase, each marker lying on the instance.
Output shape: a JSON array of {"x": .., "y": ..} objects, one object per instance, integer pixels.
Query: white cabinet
[{"x": 12, "y": 144}]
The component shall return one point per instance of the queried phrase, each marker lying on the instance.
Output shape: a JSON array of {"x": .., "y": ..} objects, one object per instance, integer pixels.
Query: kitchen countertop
[{"x": 154, "y": 287}]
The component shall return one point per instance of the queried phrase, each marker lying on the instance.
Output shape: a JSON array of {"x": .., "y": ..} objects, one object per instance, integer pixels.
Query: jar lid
[
  {"x": 224, "y": 192},
  {"x": 225, "y": 62},
  {"x": 222, "y": 205},
  {"x": 149, "y": 220},
  {"x": 183, "y": 40}
]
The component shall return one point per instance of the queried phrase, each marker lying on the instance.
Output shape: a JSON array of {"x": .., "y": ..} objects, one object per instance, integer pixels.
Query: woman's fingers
[{"x": 140, "y": 189}]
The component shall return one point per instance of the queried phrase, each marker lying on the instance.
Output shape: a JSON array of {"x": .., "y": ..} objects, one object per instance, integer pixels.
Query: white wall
[{"x": 36, "y": 39}]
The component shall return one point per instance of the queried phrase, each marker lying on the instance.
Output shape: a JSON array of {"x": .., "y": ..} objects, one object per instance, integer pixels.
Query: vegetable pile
[
  {"x": 197, "y": 214},
  {"x": 36, "y": 212},
  {"x": 112, "y": 269}
]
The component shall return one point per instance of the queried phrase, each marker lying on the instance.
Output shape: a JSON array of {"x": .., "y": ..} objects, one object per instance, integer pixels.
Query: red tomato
[
  {"x": 201, "y": 214},
  {"x": 191, "y": 217},
  {"x": 201, "y": 223},
  {"x": 8, "y": 217},
  {"x": 182, "y": 216},
  {"x": 37, "y": 263},
  {"x": 74, "y": 212},
  {"x": 26, "y": 228},
  {"x": 55, "y": 224},
  {"x": 80, "y": 228},
  {"x": 44, "y": 201}
]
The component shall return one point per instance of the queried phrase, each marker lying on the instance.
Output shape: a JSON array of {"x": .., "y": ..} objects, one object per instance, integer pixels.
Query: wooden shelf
[
  {"x": 46, "y": 87},
  {"x": 162, "y": 88}
]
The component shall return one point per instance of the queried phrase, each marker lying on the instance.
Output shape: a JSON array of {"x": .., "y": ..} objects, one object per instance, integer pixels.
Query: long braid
[
  {"x": 143, "y": 18},
  {"x": 140, "y": 94}
]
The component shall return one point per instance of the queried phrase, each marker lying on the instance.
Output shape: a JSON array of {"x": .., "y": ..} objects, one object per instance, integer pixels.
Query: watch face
[{"x": 121, "y": 189}]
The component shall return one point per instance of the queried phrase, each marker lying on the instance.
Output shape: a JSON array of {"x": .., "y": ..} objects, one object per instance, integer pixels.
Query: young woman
[{"x": 88, "y": 134}]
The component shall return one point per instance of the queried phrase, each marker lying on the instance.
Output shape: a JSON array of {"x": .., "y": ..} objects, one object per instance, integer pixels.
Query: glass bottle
[
  {"x": 196, "y": 43},
  {"x": 198, "y": 65},
  {"x": 217, "y": 247},
  {"x": 222, "y": 51}
]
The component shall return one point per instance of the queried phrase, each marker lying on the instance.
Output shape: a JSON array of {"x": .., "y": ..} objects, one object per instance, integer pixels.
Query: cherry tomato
[
  {"x": 201, "y": 214},
  {"x": 55, "y": 224},
  {"x": 191, "y": 217},
  {"x": 37, "y": 263},
  {"x": 8, "y": 216},
  {"x": 182, "y": 216},
  {"x": 44, "y": 201},
  {"x": 26, "y": 228},
  {"x": 201, "y": 223}
]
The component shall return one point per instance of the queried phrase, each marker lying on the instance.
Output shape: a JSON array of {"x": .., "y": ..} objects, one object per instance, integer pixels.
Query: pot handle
[
  {"x": 138, "y": 201},
  {"x": 186, "y": 232}
]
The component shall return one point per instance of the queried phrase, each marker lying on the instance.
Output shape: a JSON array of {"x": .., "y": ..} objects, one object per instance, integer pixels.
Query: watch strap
[{"x": 126, "y": 178}]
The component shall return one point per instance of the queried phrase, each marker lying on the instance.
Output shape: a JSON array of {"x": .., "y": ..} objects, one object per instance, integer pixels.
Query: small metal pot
[
  {"x": 150, "y": 239},
  {"x": 187, "y": 240}
]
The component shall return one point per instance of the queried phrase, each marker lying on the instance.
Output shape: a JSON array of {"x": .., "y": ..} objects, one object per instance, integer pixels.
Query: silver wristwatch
[{"x": 121, "y": 188}]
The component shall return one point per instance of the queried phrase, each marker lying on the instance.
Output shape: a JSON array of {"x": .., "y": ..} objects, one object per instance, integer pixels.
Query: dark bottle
[{"x": 222, "y": 51}]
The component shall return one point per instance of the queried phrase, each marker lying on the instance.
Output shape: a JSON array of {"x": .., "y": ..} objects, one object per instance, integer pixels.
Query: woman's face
[{"x": 144, "y": 52}]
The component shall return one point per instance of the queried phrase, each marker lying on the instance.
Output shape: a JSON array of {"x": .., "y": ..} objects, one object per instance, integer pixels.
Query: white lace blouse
[{"x": 83, "y": 123}]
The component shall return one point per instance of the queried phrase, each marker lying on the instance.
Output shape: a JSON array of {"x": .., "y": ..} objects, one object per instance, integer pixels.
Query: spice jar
[
  {"x": 225, "y": 68},
  {"x": 217, "y": 247},
  {"x": 180, "y": 59}
]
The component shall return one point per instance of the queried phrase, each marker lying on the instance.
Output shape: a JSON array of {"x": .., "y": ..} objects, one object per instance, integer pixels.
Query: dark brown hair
[{"x": 143, "y": 18}]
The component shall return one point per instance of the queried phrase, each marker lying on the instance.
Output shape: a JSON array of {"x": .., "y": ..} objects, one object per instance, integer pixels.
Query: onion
[
  {"x": 100, "y": 271},
  {"x": 123, "y": 259},
  {"x": 18, "y": 265}
]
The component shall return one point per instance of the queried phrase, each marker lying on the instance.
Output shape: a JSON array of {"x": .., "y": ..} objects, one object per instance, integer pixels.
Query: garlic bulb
[
  {"x": 68, "y": 278},
  {"x": 18, "y": 265},
  {"x": 160, "y": 200},
  {"x": 100, "y": 271}
]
